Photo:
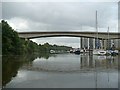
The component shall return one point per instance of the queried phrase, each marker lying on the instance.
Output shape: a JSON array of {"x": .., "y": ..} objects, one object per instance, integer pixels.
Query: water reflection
[
  {"x": 72, "y": 63},
  {"x": 11, "y": 65},
  {"x": 100, "y": 62}
]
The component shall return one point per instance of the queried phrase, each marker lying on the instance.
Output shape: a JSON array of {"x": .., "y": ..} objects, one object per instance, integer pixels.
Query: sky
[{"x": 67, "y": 15}]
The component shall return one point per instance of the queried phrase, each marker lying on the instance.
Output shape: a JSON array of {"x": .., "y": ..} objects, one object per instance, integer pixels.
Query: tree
[
  {"x": 10, "y": 41},
  {"x": 13, "y": 44}
]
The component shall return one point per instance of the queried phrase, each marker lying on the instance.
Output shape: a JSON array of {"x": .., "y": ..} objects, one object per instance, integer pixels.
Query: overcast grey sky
[{"x": 60, "y": 16}]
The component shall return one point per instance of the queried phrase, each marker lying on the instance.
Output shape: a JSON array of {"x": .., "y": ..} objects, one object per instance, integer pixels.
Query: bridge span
[{"x": 99, "y": 35}]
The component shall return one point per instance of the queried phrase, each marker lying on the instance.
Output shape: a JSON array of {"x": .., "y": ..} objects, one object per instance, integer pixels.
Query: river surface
[{"x": 60, "y": 71}]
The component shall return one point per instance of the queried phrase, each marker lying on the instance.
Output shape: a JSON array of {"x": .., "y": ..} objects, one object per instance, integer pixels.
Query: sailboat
[
  {"x": 98, "y": 51},
  {"x": 111, "y": 51}
]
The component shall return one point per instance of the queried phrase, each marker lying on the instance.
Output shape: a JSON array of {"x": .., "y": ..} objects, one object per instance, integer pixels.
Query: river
[{"x": 60, "y": 71}]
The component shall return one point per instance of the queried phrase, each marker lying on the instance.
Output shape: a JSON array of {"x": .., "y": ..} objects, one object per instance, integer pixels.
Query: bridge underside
[
  {"x": 102, "y": 36},
  {"x": 62, "y": 36}
]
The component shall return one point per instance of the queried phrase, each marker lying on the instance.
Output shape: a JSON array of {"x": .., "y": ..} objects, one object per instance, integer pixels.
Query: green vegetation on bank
[{"x": 12, "y": 44}]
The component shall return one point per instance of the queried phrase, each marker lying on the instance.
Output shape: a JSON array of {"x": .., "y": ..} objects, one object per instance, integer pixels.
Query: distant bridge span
[{"x": 101, "y": 35}]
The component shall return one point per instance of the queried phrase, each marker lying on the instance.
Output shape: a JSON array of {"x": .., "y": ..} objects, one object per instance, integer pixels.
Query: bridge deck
[{"x": 101, "y": 35}]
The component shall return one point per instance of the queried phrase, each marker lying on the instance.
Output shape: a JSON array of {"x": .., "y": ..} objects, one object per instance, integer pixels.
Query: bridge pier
[
  {"x": 102, "y": 44},
  {"x": 84, "y": 43},
  {"x": 94, "y": 47},
  {"x": 105, "y": 44},
  {"x": 117, "y": 43},
  {"x": 91, "y": 43},
  {"x": 81, "y": 42},
  {"x": 108, "y": 44},
  {"x": 88, "y": 43}
]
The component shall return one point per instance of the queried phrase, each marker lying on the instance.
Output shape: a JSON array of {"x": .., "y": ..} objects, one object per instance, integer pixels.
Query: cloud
[
  {"x": 17, "y": 23},
  {"x": 61, "y": 16}
]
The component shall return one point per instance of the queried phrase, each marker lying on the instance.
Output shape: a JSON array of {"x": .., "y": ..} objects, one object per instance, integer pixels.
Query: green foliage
[
  {"x": 12, "y": 44},
  {"x": 49, "y": 47}
]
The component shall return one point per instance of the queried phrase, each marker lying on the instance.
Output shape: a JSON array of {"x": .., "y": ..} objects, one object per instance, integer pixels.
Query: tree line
[{"x": 13, "y": 44}]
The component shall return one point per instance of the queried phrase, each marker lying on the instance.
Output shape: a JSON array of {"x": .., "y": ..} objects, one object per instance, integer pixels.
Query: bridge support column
[
  {"x": 93, "y": 44},
  {"x": 81, "y": 43},
  {"x": 117, "y": 43},
  {"x": 88, "y": 43},
  {"x": 102, "y": 44},
  {"x": 105, "y": 44},
  {"x": 108, "y": 44}
]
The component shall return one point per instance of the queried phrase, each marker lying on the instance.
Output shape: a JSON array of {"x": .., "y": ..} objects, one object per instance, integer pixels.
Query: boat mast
[
  {"x": 96, "y": 30},
  {"x": 108, "y": 38}
]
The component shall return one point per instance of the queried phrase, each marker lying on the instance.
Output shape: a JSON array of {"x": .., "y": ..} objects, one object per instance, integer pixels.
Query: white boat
[
  {"x": 112, "y": 52},
  {"x": 82, "y": 50},
  {"x": 52, "y": 51},
  {"x": 99, "y": 52},
  {"x": 116, "y": 51}
]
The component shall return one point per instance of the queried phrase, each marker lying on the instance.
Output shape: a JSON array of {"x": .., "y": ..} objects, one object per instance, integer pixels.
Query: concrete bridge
[{"x": 100, "y": 35}]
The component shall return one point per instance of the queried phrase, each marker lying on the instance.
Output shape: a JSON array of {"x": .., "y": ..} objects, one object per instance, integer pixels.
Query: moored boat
[
  {"x": 102, "y": 52},
  {"x": 52, "y": 51},
  {"x": 112, "y": 52},
  {"x": 99, "y": 52},
  {"x": 77, "y": 51}
]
